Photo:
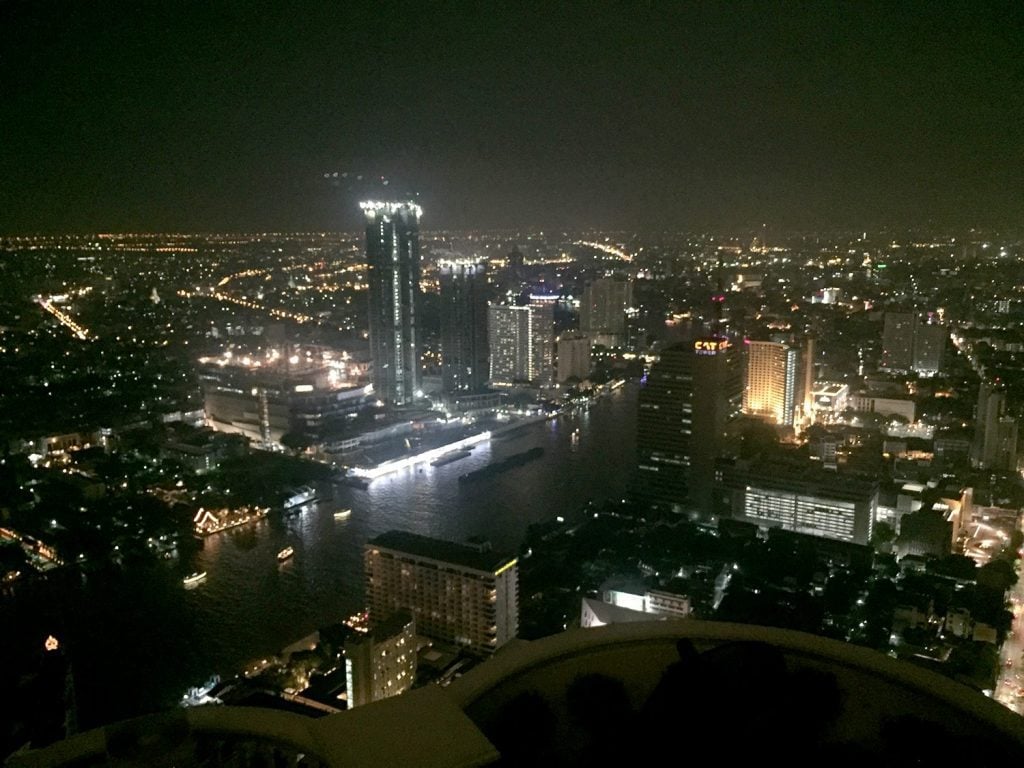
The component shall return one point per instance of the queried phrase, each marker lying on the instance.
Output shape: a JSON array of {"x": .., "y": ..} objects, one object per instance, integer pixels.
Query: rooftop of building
[
  {"x": 393, "y": 625},
  {"x": 779, "y": 470},
  {"x": 477, "y": 556}
]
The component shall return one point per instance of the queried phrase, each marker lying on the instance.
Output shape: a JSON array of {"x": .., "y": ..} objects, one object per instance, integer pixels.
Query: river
[{"x": 137, "y": 639}]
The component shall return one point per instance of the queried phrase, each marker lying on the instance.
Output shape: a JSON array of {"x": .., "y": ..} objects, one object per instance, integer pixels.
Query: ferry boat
[
  {"x": 285, "y": 553},
  {"x": 496, "y": 468},
  {"x": 342, "y": 514},
  {"x": 194, "y": 579},
  {"x": 354, "y": 481},
  {"x": 448, "y": 458},
  {"x": 199, "y": 695},
  {"x": 299, "y": 497}
]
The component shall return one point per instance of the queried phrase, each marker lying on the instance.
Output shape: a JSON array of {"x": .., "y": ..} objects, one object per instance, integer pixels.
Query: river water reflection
[{"x": 138, "y": 639}]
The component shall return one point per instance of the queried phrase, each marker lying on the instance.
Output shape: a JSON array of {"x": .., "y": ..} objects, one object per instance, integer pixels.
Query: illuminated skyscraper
[
  {"x": 692, "y": 395},
  {"x": 775, "y": 381},
  {"x": 542, "y": 339},
  {"x": 521, "y": 340},
  {"x": 464, "y": 344},
  {"x": 508, "y": 329},
  {"x": 393, "y": 258}
]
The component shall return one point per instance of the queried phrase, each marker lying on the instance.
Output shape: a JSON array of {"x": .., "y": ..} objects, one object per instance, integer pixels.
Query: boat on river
[
  {"x": 448, "y": 458},
  {"x": 496, "y": 468}
]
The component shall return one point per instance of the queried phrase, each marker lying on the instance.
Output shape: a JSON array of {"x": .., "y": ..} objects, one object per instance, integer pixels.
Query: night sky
[{"x": 213, "y": 116}]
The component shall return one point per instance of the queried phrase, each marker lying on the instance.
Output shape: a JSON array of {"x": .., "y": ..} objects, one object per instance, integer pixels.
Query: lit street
[{"x": 1010, "y": 686}]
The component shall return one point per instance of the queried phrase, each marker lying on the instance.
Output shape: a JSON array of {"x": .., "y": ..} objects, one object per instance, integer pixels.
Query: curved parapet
[{"x": 617, "y": 693}]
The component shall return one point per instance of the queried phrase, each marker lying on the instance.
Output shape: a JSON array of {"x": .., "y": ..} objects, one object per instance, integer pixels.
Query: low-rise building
[
  {"x": 800, "y": 498},
  {"x": 381, "y": 662}
]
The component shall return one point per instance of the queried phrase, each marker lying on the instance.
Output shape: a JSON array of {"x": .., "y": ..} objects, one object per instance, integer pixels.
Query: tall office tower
[
  {"x": 393, "y": 258},
  {"x": 775, "y": 381},
  {"x": 382, "y": 662},
  {"x": 603, "y": 310},
  {"x": 458, "y": 593},
  {"x": 898, "y": 341},
  {"x": 573, "y": 356},
  {"x": 691, "y": 397},
  {"x": 521, "y": 341},
  {"x": 717, "y": 402},
  {"x": 995, "y": 432},
  {"x": 464, "y": 366},
  {"x": 929, "y": 348}
]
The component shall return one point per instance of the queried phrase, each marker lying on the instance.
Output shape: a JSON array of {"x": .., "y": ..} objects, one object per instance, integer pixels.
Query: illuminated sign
[{"x": 710, "y": 346}]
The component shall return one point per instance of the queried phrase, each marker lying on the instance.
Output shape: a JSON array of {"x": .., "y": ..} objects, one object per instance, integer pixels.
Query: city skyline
[
  {"x": 510, "y": 374},
  {"x": 200, "y": 429},
  {"x": 701, "y": 116}
]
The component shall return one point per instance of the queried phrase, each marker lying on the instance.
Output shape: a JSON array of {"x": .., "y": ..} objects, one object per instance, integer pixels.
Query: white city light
[
  {"x": 388, "y": 467},
  {"x": 376, "y": 206}
]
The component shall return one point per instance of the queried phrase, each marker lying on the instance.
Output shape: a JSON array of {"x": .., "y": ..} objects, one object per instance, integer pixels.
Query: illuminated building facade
[
  {"x": 603, "y": 310},
  {"x": 508, "y": 330},
  {"x": 521, "y": 342},
  {"x": 265, "y": 402},
  {"x": 692, "y": 395},
  {"x": 807, "y": 500},
  {"x": 382, "y": 662},
  {"x": 393, "y": 260},
  {"x": 464, "y": 343},
  {"x": 464, "y": 594},
  {"x": 542, "y": 339},
  {"x": 775, "y": 379},
  {"x": 829, "y": 399}
]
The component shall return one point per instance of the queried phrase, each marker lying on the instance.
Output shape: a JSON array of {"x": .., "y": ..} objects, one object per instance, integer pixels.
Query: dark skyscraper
[
  {"x": 393, "y": 257},
  {"x": 908, "y": 344},
  {"x": 515, "y": 263},
  {"x": 898, "y": 341},
  {"x": 929, "y": 348},
  {"x": 692, "y": 395},
  {"x": 464, "y": 344},
  {"x": 603, "y": 310},
  {"x": 995, "y": 430}
]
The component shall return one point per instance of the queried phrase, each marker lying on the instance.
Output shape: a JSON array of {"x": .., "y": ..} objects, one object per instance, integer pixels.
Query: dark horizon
[{"x": 704, "y": 117}]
